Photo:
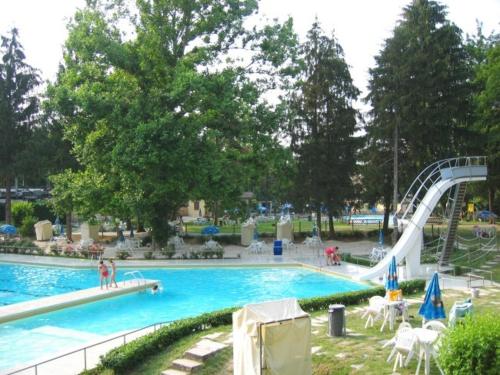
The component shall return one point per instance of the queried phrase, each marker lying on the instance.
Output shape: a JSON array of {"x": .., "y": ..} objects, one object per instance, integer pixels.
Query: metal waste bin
[
  {"x": 278, "y": 247},
  {"x": 336, "y": 320}
]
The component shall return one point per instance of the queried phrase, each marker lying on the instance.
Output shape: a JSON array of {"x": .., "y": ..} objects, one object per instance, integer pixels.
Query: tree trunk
[
  {"x": 140, "y": 225},
  {"x": 318, "y": 220},
  {"x": 331, "y": 228},
  {"x": 395, "y": 178},
  {"x": 69, "y": 227},
  {"x": 8, "y": 200}
]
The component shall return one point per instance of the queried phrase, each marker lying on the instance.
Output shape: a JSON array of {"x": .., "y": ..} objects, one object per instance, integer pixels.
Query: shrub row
[
  {"x": 135, "y": 352},
  {"x": 20, "y": 247},
  {"x": 347, "y": 257}
]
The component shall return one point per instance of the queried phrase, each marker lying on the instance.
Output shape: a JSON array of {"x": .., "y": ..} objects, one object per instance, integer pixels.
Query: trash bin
[
  {"x": 336, "y": 320},
  {"x": 278, "y": 247}
]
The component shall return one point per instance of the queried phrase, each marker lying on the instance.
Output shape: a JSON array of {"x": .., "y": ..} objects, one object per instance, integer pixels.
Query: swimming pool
[{"x": 186, "y": 292}]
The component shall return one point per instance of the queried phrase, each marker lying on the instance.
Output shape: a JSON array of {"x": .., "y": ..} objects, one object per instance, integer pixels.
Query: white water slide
[{"x": 418, "y": 204}]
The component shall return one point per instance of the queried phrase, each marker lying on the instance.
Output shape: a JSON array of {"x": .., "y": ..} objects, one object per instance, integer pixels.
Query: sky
[{"x": 360, "y": 26}]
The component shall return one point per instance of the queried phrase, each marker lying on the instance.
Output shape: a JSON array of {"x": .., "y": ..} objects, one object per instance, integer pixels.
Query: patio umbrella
[
  {"x": 8, "y": 229},
  {"x": 433, "y": 308},
  {"x": 381, "y": 237},
  {"x": 392, "y": 277}
]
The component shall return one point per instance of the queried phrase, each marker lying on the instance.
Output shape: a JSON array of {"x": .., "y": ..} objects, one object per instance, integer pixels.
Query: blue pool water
[{"x": 185, "y": 292}]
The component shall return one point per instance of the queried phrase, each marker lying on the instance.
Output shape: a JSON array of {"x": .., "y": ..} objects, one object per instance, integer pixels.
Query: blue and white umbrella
[
  {"x": 392, "y": 277},
  {"x": 8, "y": 229},
  {"x": 210, "y": 230},
  {"x": 433, "y": 308}
]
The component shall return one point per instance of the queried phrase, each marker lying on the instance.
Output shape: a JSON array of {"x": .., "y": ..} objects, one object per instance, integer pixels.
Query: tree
[
  {"x": 420, "y": 94},
  {"x": 164, "y": 115},
  {"x": 18, "y": 107},
  {"x": 323, "y": 125},
  {"x": 488, "y": 117}
]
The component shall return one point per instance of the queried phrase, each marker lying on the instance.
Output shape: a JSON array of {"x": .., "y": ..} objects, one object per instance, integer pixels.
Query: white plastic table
[
  {"x": 426, "y": 338},
  {"x": 390, "y": 314}
]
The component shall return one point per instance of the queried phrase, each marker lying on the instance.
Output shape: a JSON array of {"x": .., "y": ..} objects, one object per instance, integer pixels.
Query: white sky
[{"x": 361, "y": 26}]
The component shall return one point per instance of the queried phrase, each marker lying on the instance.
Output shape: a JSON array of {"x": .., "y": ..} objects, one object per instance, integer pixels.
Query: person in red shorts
[
  {"x": 336, "y": 256},
  {"x": 332, "y": 256},
  {"x": 103, "y": 273}
]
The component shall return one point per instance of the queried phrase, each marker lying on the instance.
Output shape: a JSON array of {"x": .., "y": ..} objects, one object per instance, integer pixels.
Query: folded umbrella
[
  {"x": 433, "y": 308},
  {"x": 392, "y": 277}
]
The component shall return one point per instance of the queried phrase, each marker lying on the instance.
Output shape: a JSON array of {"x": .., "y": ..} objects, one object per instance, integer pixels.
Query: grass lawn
[{"x": 360, "y": 352}]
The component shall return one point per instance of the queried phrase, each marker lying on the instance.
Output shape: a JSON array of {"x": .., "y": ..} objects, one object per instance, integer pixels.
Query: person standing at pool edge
[
  {"x": 113, "y": 273},
  {"x": 103, "y": 273}
]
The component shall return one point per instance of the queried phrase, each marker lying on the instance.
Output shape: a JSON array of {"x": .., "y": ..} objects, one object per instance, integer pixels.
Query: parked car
[{"x": 486, "y": 215}]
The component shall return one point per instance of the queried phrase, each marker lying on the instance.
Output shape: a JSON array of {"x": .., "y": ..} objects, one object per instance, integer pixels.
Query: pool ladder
[{"x": 135, "y": 276}]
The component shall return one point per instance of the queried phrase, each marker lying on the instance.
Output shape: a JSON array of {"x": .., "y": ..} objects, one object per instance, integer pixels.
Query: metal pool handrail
[{"x": 84, "y": 349}]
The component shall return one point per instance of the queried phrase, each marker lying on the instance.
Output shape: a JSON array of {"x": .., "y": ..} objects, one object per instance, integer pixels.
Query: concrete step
[
  {"x": 204, "y": 349},
  {"x": 172, "y": 371},
  {"x": 187, "y": 365}
]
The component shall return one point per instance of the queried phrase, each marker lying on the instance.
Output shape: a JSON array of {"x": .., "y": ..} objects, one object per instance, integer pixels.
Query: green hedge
[
  {"x": 471, "y": 347},
  {"x": 137, "y": 351}
]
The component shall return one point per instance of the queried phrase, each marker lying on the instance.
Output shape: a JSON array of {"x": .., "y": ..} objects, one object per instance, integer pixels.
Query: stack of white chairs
[
  {"x": 375, "y": 310},
  {"x": 404, "y": 347},
  {"x": 403, "y": 327}
]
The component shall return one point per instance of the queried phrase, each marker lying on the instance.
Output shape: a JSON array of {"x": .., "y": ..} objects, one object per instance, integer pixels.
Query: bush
[
  {"x": 122, "y": 255},
  {"x": 148, "y": 255},
  {"x": 168, "y": 251},
  {"x": 471, "y": 347},
  {"x": 28, "y": 226},
  {"x": 21, "y": 210},
  {"x": 135, "y": 352}
]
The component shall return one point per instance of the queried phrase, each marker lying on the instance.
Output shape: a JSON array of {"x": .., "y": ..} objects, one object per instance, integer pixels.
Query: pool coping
[
  {"x": 56, "y": 302},
  {"x": 42, "y": 261}
]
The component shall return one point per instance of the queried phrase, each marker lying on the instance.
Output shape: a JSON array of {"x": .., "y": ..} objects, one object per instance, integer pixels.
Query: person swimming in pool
[{"x": 103, "y": 273}]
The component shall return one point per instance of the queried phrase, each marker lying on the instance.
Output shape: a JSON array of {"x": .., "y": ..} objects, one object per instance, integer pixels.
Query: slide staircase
[
  {"x": 418, "y": 204},
  {"x": 451, "y": 235}
]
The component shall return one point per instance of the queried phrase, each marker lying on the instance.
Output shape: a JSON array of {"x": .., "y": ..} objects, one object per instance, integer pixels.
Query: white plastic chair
[
  {"x": 405, "y": 326},
  {"x": 375, "y": 310},
  {"x": 404, "y": 347},
  {"x": 435, "y": 325}
]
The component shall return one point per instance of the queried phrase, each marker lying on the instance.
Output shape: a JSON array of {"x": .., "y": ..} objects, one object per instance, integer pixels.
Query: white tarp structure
[
  {"x": 43, "y": 230},
  {"x": 272, "y": 338},
  {"x": 284, "y": 230},
  {"x": 247, "y": 232}
]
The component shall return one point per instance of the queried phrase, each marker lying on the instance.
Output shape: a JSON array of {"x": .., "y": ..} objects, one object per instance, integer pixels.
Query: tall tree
[
  {"x": 163, "y": 115},
  {"x": 18, "y": 107},
  {"x": 420, "y": 93},
  {"x": 323, "y": 125},
  {"x": 488, "y": 118}
]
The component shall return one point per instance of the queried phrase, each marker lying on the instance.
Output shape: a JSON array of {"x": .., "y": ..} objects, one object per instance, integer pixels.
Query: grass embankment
[{"x": 360, "y": 352}]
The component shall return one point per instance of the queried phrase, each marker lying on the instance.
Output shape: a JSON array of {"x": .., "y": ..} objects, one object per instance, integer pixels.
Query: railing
[
  {"x": 135, "y": 276},
  {"x": 430, "y": 176},
  {"x": 138, "y": 332}
]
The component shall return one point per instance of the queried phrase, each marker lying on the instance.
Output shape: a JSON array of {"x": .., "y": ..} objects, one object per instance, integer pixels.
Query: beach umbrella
[
  {"x": 433, "y": 308},
  {"x": 392, "y": 277},
  {"x": 8, "y": 229},
  {"x": 210, "y": 230}
]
